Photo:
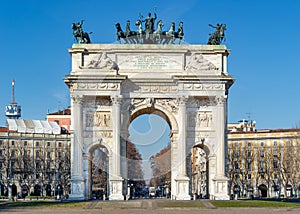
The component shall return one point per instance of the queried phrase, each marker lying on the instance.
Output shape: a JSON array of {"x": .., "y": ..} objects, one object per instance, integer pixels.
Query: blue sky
[{"x": 262, "y": 36}]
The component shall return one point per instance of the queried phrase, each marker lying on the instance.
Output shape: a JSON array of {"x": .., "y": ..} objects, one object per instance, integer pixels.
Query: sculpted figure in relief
[
  {"x": 204, "y": 119},
  {"x": 197, "y": 62},
  {"x": 102, "y": 62},
  {"x": 102, "y": 119}
]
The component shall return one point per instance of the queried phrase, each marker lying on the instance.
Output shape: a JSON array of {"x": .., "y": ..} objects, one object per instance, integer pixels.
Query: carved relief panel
[
  {"x": 200, "y": 119},
  {"x": 98, "y": 119}
]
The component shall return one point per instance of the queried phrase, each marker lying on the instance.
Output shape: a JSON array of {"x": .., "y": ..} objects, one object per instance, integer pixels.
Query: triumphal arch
[{"x": 111, "y": 84}]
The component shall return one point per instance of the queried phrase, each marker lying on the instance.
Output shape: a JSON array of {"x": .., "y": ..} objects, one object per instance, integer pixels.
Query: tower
[{"x": 13, "y": 111}]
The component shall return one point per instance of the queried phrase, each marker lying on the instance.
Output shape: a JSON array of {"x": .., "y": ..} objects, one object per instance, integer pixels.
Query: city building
[
  {"x": 263, "y": 163},
  {"x": 34, "y": 159},
  {"x": 62, "y": 118}
]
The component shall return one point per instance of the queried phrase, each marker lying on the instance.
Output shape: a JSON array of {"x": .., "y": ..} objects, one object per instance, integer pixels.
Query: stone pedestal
[
  {"x": 182, "y": 188},
  {"x": 77, "y": 187},
  {"x": 221, "y": 188},
  {"x": 115, "y": 188}
]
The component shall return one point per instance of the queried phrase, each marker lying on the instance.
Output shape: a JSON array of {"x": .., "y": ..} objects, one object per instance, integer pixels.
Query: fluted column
[
  {"x": 182, "y": 134},
  {"x": 182, "y": 181},
  {"x": 77, "y": 180},
  {"x": 116, "y": 112},
  {"x": 76, "y": 146},
  {"x": 221, "y": 111},
  {"x": 220, "y": 181}
]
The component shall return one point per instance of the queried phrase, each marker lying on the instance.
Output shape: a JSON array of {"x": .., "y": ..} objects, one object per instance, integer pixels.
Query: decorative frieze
[
  {"x": 202, "y": 86},
  {"x": 99, "y": 86}
]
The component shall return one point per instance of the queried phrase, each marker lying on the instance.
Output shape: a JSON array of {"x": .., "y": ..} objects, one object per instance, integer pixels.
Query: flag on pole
[{"x": 13, "y": 82}]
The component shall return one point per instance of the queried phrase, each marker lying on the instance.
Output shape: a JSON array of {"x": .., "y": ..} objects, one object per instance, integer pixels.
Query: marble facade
[{"x": 111, "y": 84}]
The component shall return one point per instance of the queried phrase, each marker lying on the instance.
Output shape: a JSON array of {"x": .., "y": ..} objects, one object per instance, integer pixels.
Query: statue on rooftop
[
  {"x": 219, "y": 35},
  {"x": 149, "y": 35},
  {"x": 80, "y": 36}
]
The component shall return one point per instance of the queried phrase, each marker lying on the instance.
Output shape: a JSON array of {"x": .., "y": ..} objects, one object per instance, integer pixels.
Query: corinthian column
[
  {"x": 221, "y": 112},
  {"x": 220, "y": 181},
  {"x": 116, "y": 179},
  {"x": 77, "y": 183},
  {"x": 182, "y": 134},
  {"x": 116, "y": 112},
  {"x": 182, "y": 181}
]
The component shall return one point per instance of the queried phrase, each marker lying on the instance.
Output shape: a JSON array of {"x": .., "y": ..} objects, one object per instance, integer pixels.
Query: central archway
[{"x": 149, "y": 154}]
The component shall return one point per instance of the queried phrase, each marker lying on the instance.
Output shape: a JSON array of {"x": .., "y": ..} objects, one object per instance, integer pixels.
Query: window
[
  {"x": 288, "y": 143},
  {"x": 37, "y": 154},
  {"x": 262, "y": 164},
  {"x": 59, "y": 154},
  {"x": 275, "y": 164},
  {"x": 12, "y": 143},
  {"x": 13, "y": 153},
  {"x": 37, "y": 143},
  {"x": 48, "y": 154},
  {"x": 37, "y": 165},
  {"x": 275, "y": 153},
  {"x": 249, "y": 176},
  {"x": 48, "y": 165},
  {"x": 236, "y": 154},
  {"x": 249, "y": 154},
  {"x": 236, "y": 165},
  {"x": 1, "y": 152},
  {"x": 262, "y": 154},
  {"x": 59, "y": 144},
  {"x": 25, "y": 143},
  {"x": 48, "y": 143},
  {"x": 1, "y": 142},
  {"x": 275, "y": 176},
  {"x": 275, "y": 143},
  {"x": 262, "y": 143},
  {"x": 249, "y": 144},
  {"x": 249, "y": 165}
]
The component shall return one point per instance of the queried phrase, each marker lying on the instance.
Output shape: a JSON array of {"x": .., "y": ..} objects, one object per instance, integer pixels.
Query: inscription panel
[{"x": 150, "y": 62}]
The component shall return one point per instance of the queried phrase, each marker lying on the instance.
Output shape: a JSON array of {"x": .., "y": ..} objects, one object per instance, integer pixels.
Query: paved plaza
[{"x": 146, "y": 207}]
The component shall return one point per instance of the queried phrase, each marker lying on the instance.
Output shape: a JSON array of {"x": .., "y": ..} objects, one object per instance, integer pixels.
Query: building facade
[
  {"x": 34, "y": 159},
  {"x": 62, "y": 118},
  {"x": 263, "y": 163}
]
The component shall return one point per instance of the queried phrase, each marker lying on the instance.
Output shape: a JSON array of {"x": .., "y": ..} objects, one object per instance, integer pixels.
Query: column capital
[
  {"x": 116, "y": 100},
  {"x": 182, "y": 100},
  {"x": 220, "y": 100},
  {"x": 77, "y": 99}
]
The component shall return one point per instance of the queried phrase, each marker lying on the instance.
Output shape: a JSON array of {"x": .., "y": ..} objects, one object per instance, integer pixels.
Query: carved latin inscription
[{"x": 149, "y": 62}]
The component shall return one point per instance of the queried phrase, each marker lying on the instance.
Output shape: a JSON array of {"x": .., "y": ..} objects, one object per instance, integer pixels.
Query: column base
[
  {"x": 182, "y": 188},
  {"x": 221, "y": 188},
  {"x": 115, "y": 190},
  {"x": 77, "y": 190}
]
